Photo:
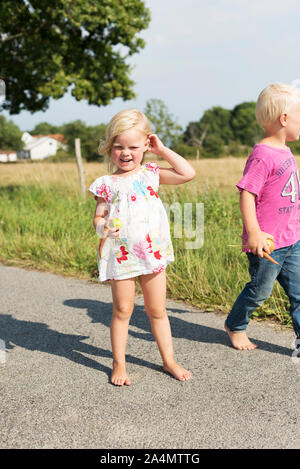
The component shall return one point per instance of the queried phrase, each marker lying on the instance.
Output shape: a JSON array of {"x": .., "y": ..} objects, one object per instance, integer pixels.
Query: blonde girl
[{"x": 135, "y": 234}]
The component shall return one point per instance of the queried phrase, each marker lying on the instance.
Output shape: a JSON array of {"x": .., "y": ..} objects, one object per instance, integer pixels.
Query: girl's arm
[
  {"x": 101, "y": 224},
  {"x": 256, "y": 238},
  {"x": 100, "y": 212},
  {"x": 181, "y": 170}
]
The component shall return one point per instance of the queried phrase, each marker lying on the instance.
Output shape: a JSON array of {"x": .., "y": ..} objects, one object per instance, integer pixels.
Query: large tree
[
  {"x": 214, "y": 122},
  {"x": 244, "y": 125},
  {"x": 48, "y": 47}
]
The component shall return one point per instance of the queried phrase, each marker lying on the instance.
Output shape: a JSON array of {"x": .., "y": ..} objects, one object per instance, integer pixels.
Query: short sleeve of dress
[
  {"x": 100, "y": 188},
  {"x": 152, "y": 170}
]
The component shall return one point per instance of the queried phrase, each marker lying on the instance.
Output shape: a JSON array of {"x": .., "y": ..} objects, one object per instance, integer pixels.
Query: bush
[
  {"x": 237, "y": 149},
  {"x": 295, "y": 147},
  {"x": 213, "y": 147},
  {"x": 187, "y": 151}
]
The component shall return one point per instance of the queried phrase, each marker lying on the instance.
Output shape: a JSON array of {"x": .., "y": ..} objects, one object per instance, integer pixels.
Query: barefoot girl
[{"x": 135, "y": 235}]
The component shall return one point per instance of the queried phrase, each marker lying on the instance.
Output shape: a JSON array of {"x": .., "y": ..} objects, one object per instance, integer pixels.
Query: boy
[{"x": 270, "y": 208}]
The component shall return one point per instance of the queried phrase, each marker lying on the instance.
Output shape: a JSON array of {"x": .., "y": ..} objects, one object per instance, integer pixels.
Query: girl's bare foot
[
  {"x": 119, "y": 375},
  {"x": 240, "y": 340},
  {"x": 177, "y": 371}
]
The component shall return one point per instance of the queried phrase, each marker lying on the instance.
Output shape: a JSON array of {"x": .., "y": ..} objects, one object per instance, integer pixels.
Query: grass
[{"x": 46, "y": 225}]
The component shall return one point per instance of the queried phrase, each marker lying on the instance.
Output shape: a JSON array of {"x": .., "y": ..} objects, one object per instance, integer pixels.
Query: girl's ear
[{"x": 148, "y": 144}]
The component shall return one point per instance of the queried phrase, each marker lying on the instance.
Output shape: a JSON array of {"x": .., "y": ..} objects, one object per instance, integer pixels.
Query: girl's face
[{"x": 128, "y": 149}]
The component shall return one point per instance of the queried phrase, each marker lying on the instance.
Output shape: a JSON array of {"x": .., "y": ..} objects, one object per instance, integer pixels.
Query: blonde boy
[{"x": 270, "y": 208}]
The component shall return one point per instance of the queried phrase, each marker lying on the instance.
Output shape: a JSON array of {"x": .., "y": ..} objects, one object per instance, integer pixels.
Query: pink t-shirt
[{"x": 272, "y": 175}]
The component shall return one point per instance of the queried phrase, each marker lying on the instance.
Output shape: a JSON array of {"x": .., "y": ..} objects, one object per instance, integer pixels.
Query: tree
[
  {"x": 214, "y": 122},
  {"x": 244, "y": 124},
  {"x": 48, "y": 47},
  {"x": 10, "y": 135},
  {"x": 43, "y": 128},
  {"x": 89, "y": 138},
  {"x": 163, "y": 123},
  {"x": 213, "y": 146}
]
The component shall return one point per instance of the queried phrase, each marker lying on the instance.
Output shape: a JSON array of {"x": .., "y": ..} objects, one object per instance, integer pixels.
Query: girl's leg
[
  {"x": 154, "y": 291},
  {"x": 123, "y": 292}
]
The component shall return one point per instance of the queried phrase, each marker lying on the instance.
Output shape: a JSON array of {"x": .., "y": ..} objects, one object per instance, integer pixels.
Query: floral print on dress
[
  {"x": 123, "y": 255},
  {"x": 144, "y": 244},
  {"x": 152, "y": 167},
  {"x": 152, "y": 191},
  {"x": 104, "y": 192},
  {"x": 140, "y": 187}
]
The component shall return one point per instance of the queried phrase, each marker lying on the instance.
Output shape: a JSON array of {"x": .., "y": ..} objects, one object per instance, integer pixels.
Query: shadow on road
[
  {"x": 100, "y": 312},
  {"x": 38, "y": 336}
]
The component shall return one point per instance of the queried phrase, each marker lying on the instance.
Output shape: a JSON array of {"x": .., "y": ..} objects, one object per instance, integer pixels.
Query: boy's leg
[
  {"x": 290, "y": 281},
  {"x": 154, "y": 291},
  {"x": 263, "y": 275},
  {"x": 123, "y": 292}
]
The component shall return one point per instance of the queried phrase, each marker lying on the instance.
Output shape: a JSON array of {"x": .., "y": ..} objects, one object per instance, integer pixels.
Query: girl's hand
[
  {"x": 112, "y": 231},
  {"x": 155, "y": 144}
]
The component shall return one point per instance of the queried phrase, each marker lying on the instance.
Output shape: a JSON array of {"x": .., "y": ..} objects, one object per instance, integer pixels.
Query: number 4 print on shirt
[{"x": 293, "y": 190}]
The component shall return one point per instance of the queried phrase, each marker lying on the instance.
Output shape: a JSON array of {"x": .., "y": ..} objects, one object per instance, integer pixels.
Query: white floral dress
[{"x": 144, "y": 244}]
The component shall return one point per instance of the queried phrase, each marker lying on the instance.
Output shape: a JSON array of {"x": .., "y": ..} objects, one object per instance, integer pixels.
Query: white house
[
  {"x": 38, "y": 147},
  {"x": 8, "y": 155}
]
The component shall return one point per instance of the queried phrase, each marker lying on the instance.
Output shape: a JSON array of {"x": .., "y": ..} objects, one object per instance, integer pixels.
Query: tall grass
[{"x": 46, "y": 225}]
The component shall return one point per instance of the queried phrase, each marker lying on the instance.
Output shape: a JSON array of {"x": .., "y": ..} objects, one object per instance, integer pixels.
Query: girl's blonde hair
[
  {"x": 120, "y": 123},
  {"x": 275, "y": 100}
]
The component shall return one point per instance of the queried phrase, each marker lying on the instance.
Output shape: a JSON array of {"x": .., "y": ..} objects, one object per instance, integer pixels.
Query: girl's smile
[{"x": 128, "y": 150}]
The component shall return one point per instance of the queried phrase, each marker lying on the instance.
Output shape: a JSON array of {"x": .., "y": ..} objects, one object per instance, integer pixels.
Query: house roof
[
  {"x": 59, "y": 137},
  {"x": 7, "y": 152}
]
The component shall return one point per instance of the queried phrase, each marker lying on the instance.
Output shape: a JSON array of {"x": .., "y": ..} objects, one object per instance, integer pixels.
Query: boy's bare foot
[
  {"x": 240, "y": 340},
  {"x": 119, "y": 375},
  {"x": 177, "y": 371}
]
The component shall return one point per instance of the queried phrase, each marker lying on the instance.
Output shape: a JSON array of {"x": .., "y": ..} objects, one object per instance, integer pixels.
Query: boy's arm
[{"x": 256, "y": 237}]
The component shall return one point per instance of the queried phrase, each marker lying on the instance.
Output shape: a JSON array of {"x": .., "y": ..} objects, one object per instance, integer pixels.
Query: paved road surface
[{"x": 55, "y": 389}]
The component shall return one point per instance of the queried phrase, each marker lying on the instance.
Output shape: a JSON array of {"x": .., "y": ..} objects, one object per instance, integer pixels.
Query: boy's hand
[
  {"x": 257, "y": 242},
  {"x": 155, "y": 144}
]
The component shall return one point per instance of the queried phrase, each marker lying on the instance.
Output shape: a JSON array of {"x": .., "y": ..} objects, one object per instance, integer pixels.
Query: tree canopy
[
  {"x": 244, "y": 125},
  {"x": 219, "y": 127},
  {"x": 48, "y": 47}
]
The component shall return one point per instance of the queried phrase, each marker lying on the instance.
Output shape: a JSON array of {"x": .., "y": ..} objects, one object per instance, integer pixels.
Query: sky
[{"x": 198, "y": 54}]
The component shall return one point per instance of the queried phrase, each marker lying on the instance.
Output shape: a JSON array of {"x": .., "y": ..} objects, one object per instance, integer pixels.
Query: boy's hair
[
  {"x": 275, "y": 100},
  {"x": 120, "y": 123}
]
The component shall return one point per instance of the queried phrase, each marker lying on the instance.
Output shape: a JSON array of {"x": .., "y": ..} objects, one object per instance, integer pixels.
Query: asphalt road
[{"x": 56, "y": 392}]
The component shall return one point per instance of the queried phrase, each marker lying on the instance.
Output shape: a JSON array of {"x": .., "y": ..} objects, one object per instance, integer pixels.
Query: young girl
[{"x": 135, "y": 235}]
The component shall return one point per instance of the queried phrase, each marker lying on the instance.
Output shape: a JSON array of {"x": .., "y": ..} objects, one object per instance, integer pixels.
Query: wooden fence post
[{"x": 80, "y": 166}]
